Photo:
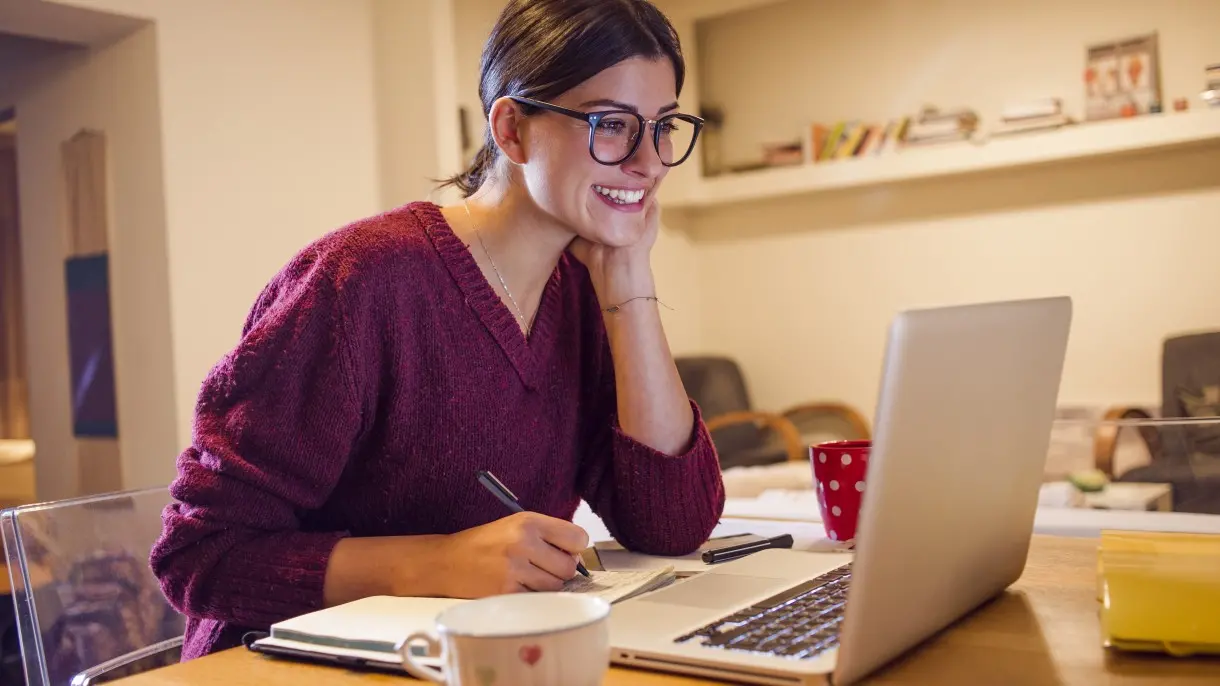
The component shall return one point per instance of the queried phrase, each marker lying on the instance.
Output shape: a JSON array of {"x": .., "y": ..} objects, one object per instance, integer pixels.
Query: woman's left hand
[{"x": 619, "y": 273}]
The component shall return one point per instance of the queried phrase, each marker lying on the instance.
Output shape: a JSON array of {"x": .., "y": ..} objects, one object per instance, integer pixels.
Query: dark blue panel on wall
[{"x": 94, "y": 412}]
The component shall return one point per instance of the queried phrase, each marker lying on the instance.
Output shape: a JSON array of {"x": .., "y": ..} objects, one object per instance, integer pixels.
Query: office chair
[
  {"x": 747, "y": 437},
  {"x": 1185, "y": 454},
  {"x": 88, "y": 607}
]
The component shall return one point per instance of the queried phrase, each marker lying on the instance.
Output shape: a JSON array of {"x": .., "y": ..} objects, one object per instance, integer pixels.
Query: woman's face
[{"x": 564, "y": 179}]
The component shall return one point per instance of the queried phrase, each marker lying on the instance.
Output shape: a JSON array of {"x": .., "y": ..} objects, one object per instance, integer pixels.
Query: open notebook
[{"x": 366, "y": 632}]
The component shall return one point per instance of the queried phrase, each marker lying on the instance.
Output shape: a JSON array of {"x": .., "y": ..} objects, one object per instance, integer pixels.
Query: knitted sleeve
[
  {"x": 651, "y": 502},
  {"x": 275, "y": 423}
]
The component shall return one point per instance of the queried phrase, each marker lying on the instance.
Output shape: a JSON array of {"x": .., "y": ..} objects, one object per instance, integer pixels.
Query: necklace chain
[{"x": 479, "y": 234}]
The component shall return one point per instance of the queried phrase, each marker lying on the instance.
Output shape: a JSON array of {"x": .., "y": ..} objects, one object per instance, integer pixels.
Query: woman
[{"x": 336, "y": 447}]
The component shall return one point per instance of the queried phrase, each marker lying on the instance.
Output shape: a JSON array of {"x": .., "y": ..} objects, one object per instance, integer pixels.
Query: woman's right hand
[{"x": 526, "y": 551}]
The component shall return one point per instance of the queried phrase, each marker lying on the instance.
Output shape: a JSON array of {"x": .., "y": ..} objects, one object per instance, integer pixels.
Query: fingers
[
  {"x": 563, "y": 534},
  {"x": 552, "y": 560},
  {"x": 536, "y": 579}
]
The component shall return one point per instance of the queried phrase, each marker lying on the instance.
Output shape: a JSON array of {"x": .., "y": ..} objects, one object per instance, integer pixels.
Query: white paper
[
  {"x": 791, "y": 505},
  {"x": 382, "y": 620},
  {"x": 615, "y": 586}
]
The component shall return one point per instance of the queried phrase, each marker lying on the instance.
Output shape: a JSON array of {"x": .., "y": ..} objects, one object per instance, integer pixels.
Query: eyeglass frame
[{"x": 592, "y": 119}]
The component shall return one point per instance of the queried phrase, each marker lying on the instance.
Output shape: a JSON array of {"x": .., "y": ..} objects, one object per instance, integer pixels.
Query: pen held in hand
[{"x": 501, "y": 492}]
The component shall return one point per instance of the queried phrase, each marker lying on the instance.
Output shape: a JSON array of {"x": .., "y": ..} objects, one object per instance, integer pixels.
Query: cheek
[{"x": 559, "y": 177}]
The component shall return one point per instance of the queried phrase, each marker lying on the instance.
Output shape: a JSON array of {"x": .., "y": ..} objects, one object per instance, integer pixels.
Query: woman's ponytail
[{"x": 473, "y": 177}]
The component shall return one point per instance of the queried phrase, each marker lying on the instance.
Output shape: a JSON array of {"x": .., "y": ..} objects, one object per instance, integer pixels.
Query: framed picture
[
  {"x": 1122, "y": 78},
  {"x": 91, "y": 360}
]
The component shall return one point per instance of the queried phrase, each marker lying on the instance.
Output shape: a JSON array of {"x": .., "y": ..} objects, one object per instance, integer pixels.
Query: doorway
[{"x": 16, "y": 448}]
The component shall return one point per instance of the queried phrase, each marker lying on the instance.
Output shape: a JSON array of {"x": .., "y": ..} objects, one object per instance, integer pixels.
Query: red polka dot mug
[{"x": 838, "y": 476}]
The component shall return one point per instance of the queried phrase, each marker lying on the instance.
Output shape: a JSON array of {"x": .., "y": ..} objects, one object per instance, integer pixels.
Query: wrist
[
  {"x": 615, "y": 287},
  {"x": 431, "y": 572},
  {"x": 389, "y": 565}
]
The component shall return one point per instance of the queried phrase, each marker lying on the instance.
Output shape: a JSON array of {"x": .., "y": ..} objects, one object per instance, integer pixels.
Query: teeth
[{"x": 622, "y": 197}]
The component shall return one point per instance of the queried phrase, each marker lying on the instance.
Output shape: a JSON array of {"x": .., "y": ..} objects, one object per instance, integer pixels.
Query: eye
[
  {"x": 669, "y": 128},
  {"x": 614, "y": 125}
]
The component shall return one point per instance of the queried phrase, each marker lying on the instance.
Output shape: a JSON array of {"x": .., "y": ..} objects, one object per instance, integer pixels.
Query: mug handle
[{"x": 415, "y": 669}]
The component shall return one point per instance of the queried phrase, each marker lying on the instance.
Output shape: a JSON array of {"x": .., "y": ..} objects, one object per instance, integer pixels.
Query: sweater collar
[{"x": 524, "y": 354}]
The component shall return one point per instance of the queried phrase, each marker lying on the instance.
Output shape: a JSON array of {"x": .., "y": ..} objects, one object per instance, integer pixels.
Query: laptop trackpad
[{"x": 715, "y": 591}]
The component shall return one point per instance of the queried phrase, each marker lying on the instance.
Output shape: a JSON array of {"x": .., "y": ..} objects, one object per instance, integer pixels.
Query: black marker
[{"x": 733, "y": 552}]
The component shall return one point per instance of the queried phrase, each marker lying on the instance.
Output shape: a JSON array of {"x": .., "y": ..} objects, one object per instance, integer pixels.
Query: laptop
[{"x": 963, "y": 424}]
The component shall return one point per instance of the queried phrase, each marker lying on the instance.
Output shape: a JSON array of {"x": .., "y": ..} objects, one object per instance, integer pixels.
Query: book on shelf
[
  {"x": 783, "y": 154},
  {"x": 851, "y": 142},
  {"x": 1024, "y": 110},
  {"x": 1029, "y": 124},
  {"x": 1039, "y": 114},
  {"x": 935, "y": 126},
  {"x": 1211, "y": 88},
  {"x": 855, "y": 138}
]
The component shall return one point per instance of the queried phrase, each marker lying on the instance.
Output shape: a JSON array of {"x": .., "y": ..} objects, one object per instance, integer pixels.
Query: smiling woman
[{"x": 336, "y": 446}]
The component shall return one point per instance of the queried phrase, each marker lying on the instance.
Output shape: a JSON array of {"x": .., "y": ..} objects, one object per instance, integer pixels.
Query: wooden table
[
  {"x": 38, "y": 577},
  {"x": 6, "y": 588},
  {"x": 1043, "y": 630}
]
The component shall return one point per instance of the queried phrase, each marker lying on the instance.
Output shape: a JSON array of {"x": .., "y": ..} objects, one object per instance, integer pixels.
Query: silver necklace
[{"x": 478, "y": 234}]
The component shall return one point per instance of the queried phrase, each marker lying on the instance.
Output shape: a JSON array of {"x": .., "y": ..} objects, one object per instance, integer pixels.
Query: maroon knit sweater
[{"x": 376, "y": 373}]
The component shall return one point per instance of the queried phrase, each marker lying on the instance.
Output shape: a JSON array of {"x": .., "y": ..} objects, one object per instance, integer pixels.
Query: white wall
[
  {"x": 270, "y": 139},
  {"x": 416, "y": 93},
  {"x": 803, "y": 289},
  {"x": 113, "y": 90}
]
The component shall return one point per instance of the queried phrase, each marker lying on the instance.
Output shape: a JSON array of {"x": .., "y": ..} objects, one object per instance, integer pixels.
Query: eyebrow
[{"x": 624, "y": 106}]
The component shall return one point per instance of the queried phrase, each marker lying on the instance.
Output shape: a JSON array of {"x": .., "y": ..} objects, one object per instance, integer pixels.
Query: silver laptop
[{"x": 963, "y": 424}]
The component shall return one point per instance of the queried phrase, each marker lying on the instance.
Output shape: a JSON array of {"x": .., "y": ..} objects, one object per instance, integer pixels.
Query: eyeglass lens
[{"x": 615, "y": 135}]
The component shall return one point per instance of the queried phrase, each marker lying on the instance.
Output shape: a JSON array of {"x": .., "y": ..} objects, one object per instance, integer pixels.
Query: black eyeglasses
[{"x": 614, "y": 135}]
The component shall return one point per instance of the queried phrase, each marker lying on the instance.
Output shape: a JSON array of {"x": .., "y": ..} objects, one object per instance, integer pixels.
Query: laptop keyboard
[{"x": 799, "y": 623}]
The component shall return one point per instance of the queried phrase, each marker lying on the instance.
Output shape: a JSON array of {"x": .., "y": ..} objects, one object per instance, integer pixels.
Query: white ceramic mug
[{"x": 530, "y": 639}]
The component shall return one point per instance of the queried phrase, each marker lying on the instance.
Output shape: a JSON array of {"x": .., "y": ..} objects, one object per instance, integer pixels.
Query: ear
[{"x": 505, "y": 122}]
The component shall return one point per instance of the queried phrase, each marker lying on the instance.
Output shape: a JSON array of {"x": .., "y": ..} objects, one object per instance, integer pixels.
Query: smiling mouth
[{"x": 621, "y": 196}]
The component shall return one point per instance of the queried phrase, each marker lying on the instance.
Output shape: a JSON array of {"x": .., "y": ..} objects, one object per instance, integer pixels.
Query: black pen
[
  {"x": 733, "y": 552},
  {"x": 499, "y": 490}
]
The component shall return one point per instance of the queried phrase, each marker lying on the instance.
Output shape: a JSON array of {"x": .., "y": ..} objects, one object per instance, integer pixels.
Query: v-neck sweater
[{"x": 375, "y": 374}]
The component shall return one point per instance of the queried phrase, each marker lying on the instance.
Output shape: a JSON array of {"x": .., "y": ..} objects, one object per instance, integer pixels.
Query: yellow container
[{"x": 1160, "y": 591}]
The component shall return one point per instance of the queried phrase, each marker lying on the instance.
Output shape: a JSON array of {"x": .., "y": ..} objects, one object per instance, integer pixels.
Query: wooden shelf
[{"x": 1090, "y": 140}]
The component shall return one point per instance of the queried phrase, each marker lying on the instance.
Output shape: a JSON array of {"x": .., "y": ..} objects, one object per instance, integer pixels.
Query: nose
[{"x": 645, "y": 163}]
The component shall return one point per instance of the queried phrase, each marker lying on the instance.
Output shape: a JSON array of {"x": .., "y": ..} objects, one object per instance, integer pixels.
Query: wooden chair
[{"x": 745, "y": 436}]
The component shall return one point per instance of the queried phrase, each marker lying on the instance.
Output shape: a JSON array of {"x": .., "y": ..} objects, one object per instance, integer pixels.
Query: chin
[
  {"x": 617, "y": 227},
  {"x": 615, "y": 232}
]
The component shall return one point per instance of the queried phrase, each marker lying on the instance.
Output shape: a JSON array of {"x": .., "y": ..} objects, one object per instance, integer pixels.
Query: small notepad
[{"x": 616, "y": 586}]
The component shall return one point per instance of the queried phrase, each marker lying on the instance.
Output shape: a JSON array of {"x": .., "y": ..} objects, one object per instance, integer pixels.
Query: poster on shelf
[{"x": 1122, "y": 78}]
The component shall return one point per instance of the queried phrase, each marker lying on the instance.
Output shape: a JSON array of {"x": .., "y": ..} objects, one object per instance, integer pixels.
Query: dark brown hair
[{"x": 542, "y": 48}]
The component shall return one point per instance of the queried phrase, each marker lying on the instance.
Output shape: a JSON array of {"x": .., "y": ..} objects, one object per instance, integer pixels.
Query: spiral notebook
[{"x": 366, "y": 632}]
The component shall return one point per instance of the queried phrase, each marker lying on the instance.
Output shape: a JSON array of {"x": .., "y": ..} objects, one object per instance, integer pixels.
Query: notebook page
[
  {"x": 615, "y": 586},
  {"x": 374, "y": 624}
]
